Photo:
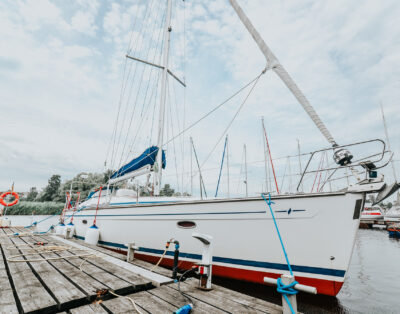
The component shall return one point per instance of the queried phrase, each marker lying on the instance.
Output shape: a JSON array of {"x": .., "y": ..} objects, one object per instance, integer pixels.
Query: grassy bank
[{"x": 37, "y": 208}]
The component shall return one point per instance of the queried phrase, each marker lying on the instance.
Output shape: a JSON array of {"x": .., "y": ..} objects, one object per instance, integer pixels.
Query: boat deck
[{"x": 77, "y": 278}]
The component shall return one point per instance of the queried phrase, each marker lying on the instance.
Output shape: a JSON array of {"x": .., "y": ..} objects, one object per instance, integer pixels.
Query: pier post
[
  {"x": 131, "y": 252},
  {"x": 287, "y": 280}
]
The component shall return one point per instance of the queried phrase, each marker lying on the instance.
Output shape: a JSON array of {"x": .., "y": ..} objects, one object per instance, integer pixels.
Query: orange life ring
[{"x": 15, "y": 194}]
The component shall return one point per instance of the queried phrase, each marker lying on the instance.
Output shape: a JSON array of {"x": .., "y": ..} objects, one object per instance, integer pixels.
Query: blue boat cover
[{"x": 148, "y": 157}]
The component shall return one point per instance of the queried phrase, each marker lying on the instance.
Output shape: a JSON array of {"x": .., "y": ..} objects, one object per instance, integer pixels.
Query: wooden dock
[{"x": 78, "y": 278}]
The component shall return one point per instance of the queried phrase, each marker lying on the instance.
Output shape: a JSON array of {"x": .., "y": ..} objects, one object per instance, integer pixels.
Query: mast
[
  {"x": 341, "y": 156},
  {"x": 227, "y": 163},
  {"x": 245, "y": 169},
  {"x": 167, "y": 34},
  {"x": 191, "y": 171},
  {"x": 267, "y": 186}
]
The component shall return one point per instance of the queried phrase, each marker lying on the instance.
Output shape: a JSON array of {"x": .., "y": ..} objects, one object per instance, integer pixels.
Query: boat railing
[{"x": 368, "y": 164}]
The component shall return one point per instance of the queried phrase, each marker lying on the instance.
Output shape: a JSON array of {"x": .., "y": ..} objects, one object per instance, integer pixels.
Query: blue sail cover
[{"x": 148, "y": 157}]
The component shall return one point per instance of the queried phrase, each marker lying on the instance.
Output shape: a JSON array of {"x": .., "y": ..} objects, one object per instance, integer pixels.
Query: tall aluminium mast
[
  {"x": 341, "y": 156},
  {"x": 161, "y": 118}
]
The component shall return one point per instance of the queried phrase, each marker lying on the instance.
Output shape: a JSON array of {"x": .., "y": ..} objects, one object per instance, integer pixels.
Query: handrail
[{"x": 358, "y": 163}]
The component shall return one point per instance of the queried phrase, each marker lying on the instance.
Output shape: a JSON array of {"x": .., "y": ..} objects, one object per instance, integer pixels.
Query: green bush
[{"x": 37, "y": 208}]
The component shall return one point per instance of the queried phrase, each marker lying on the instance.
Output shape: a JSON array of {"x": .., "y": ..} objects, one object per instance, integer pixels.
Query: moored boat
[
  {"x": 318, "y": 228},
  {"x": 394, "y": 230},
  {"x": 371, "y": 214}
]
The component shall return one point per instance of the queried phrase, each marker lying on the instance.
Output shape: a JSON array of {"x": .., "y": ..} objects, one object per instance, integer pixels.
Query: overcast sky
[{"x": 61, "y": 68}]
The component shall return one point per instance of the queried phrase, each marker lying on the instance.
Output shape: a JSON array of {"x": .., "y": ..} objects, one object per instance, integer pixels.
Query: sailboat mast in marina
[{"x": 242, "y": 229}]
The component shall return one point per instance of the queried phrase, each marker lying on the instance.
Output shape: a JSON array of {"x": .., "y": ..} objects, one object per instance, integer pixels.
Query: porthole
[
  {"x": 84, "y": 221},
  {"x": 186, "y": 224}
]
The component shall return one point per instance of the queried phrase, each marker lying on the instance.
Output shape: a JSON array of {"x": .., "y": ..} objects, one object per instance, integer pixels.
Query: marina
[{"x": 200, "y": 157}]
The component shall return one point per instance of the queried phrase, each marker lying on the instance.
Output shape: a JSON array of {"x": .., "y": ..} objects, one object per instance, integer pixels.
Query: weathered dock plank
[
  {"x": 110, "y": 273},
  {"x": 145, "y": 302},
  {"x": 155, "y": 278},
  {"x": 222, "y": 301},
  {"x": 257, "y": 304},
  {"x": 7, "y": 301},
  {"x": 57, "y": 284},
  {"x": 89, "y": 309},
  {"x": 158, "y": 270},
  {"x": 178, "y": 300},
  {"x": 31, "y": 294}
]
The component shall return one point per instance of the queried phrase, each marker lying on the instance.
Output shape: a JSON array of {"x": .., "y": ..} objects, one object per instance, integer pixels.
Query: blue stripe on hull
[
  {"x": 174, "y": 214},
  {"x": 234, "y": 261}
]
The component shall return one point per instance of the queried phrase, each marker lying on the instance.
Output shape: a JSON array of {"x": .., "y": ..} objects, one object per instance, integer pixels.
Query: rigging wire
[
  {"x": 234, "y": 117},
  {"x": 222, "y": 164},
  {"x": 172, "y": 131},
  {"x": 145, "y": 20},
  {"x": 154, "y": 89},
  {"x": 138, "y": 93},
  {"x": 216, "y": 108},
  {"x": 123, "y": 85},
  {"x": 252, "y": 83}
]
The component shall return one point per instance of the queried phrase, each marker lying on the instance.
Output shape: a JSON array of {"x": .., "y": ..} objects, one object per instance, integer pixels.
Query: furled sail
[{"x": 148, "y": 157}]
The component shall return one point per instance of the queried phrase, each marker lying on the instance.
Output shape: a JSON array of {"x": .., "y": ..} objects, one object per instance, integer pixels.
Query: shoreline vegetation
[
  {"x": 35, "y": 208},
  {"x": 51, "y": 200}
]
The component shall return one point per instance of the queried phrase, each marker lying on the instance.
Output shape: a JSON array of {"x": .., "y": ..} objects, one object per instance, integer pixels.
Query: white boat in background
[
  {"x": 319, "y": 229},
  {"x": 371, "y": 213}
]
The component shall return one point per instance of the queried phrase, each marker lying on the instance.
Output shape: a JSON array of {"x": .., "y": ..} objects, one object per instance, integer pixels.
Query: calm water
[{"x": 372, "y": 284}]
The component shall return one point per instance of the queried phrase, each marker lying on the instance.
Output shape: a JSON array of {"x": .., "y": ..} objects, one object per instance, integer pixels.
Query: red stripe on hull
[{"x": 328, "y": 287}]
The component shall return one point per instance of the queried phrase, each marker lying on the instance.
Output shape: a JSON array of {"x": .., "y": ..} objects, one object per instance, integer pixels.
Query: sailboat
[
  {"x": 318, "y": 228},
  {"x": 393, "y": 214}
]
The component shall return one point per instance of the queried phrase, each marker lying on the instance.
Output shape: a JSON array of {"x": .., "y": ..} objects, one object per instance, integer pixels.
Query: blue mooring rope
[
  {"x": 44, "y": 232},
  {"x": 38, "y": 222},
  {"x": 285, "y": 290}
]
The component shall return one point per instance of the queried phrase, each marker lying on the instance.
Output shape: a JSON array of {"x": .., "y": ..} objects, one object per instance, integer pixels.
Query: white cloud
[{"x": 61, "y": 69}]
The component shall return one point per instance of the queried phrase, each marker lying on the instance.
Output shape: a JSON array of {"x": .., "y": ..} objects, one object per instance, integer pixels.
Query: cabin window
[{"x": 186, "y": 224}]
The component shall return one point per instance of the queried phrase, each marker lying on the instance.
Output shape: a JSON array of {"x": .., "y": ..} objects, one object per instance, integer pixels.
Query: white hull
[{"x": 318, "y": 231}]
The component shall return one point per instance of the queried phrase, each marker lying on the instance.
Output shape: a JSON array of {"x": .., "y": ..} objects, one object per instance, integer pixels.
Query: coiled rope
[{"x": 285, "y": 290}]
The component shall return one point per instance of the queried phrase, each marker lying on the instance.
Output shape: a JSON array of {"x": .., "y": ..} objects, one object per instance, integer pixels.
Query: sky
[{"x": 62, "y": 67}]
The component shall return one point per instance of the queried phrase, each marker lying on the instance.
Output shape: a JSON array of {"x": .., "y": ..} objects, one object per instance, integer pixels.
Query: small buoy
[
  {"x": 5, "y": 222},
  {"x": 69, "y": 231},
  {"x": 92, "y": 235},
  {"x": 60, "y": 228}
]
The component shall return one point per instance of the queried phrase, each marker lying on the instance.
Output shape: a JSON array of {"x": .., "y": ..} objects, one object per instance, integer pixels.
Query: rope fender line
[{"x": 283, "y": 289}]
